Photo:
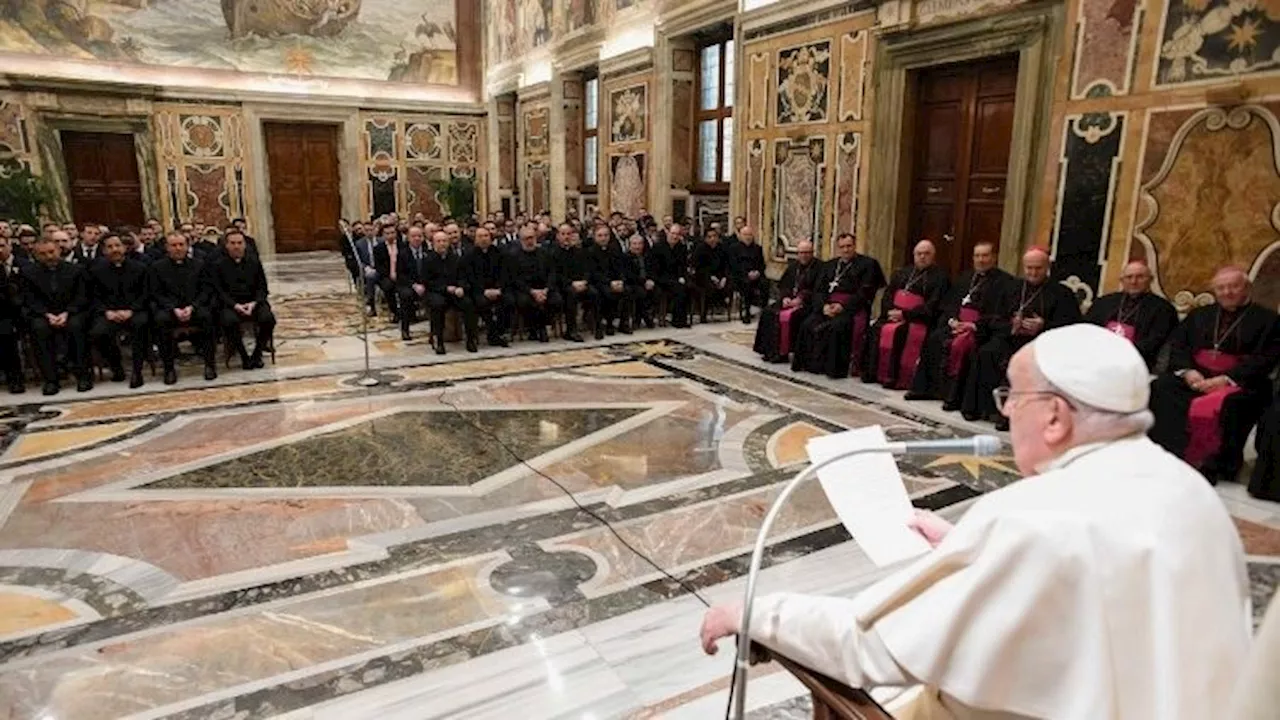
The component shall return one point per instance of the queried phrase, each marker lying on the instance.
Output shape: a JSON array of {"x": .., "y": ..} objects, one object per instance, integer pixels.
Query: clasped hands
[
  {"x": 718, "y": 283},
  {"x": 539, "y": 296},
  {"x": 245, "y": 309},
  {"x": 1200, "y": 383},
  {"x": 56, "y": 320},
  {"x": 492, "y": 294},
  {"x": 895, "y": 315},
  {"x": 1026, "y": 325},
  {"x": 832, "y": 309},
  {"x": 959, "y": 328},
  {"x": 119, "y": 316},
  {"x": 721, "y": 621}
]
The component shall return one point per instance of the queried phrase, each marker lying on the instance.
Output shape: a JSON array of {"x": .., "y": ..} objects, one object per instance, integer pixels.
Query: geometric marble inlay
[
  {"x": 36, "y": 445},
  {"x": 408, "y": 449}
]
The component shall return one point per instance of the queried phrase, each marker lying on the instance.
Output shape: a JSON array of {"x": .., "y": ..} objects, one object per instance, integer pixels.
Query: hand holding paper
[{"x": 868, "y": 496}]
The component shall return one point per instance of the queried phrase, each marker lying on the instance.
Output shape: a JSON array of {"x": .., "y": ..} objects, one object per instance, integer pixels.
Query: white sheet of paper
[{"x": 867, "y": 493}]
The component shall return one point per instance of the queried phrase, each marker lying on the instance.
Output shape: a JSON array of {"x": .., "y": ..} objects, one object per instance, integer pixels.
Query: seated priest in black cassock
[
  {"x": 411, "y": 282},
  {"x": 11, "y": 323},
  {"x": 386, "y": 258},
  {"x": 780, "y": 321},
  {"x": 54, "y": 299},
  {"x": 908, "y": 311},
  {"x": 747, "y": 262},
  {"x": 1021, "y": 311},
  {"x": 533, "y": 279},
  {"x": 604, "y": 264},
  {"x": 639, "y": 285},
  {"x": 119, "y": 296},
  {"x": 487, "y": 276},
  {"x": 670, "y": 262},
  {"x": 941, "y": 372},
  {"x": 570, "y": 264},
  {"x": 833, "y": 331},
  {"x": 1217, "y": 385},
  {"x": 447, "y": 288},
  {"x": 182, "y": 297},
  {"x": 712, "y": 272},
  {"x": 240, "y": 283},
  {"x": 1135, "y": 312}
]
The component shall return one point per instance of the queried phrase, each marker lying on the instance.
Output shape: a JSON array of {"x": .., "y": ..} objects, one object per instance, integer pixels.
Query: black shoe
[
  {"x": 50, "y": 388},
  {"x": 255, "y": 361},
  {"x": 440, "y": 348},
  {"x": 17, "y": 388},
  {"x": 84, "y": 384},
  {"x": 648, "y": 323},
  {"x": 703, "y": 319},
  {"x": 135, "y": 380},
  {"x": 916, "y": 396},
  {"x": 543, "y": 336},
  {"x": 170, "y": 376},
  {"x": 599, "y": 332},
  {"x": 681, "y": 325},
  {"x": 950, "y": 406},
  {"x": 117, "y": 374},
  {"x": 210, "y": 372},
  {"x": 245, "y": 362},
  {"x": 574, "y": 337},
  {"x": 404, "y": 335},
  {"x": 624, "y": 328},
  {"x": 472, "y": 346},
  {"x": 610, "y": 330},
  {"x": 971, "y": 417},
  {"x": 497, "y": 341},
  {"x": 1002, "y": 425}
]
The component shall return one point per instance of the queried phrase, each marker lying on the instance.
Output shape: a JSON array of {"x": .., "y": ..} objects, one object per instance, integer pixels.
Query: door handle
[
  {"x": 933, "y": 189},
  {"x": 948, "y": 237},
  {"x": 990, "y": 189}
]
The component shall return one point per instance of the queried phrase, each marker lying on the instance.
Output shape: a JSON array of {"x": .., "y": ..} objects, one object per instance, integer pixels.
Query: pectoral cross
[
  {"x": 1118, "y": 329},
  {"x": 967, "y": 298},
  {"x": 831, "y": 286}
]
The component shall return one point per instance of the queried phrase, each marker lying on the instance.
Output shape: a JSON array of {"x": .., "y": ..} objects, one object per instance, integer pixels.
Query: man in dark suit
[
  {"x": 711, "y": 270},
  {"x": 182, "y": 297},
  {"x": 747, "y": 262},
  {"x": 386, "y": 256},
  {"x": 573, "y": 279},
  {"x": 411, "y": 280},
  {"x": 88, "y": 248},
  {"x": 639, "y": 286},
  {"x": 118, "y": 295},
  {"x": 604, "y": 266},
  {"x": 670, "y": 267},
  {"x": 447, "y": 290},
  {"x": 241, "y": 286},
  {"x": 11, "y": 317},
  {"x": 54, "y": 300},
  {"x": 485, "y": 268}
]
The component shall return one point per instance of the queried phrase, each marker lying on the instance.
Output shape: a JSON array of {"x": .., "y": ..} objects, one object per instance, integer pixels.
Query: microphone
[{"x": 978, "y": 445}]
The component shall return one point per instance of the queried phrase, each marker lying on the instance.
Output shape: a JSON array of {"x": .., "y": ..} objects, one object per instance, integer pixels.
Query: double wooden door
[
  {"x": 102, "y": 174},
  {"x": 963, "y": 129},
  {"x": 302, "y": 161}
]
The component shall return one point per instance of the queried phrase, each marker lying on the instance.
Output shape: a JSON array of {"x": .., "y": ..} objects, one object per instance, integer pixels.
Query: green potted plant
[
  {"x": 458, "y": 194},
  {"x": 22, "y": 194}
]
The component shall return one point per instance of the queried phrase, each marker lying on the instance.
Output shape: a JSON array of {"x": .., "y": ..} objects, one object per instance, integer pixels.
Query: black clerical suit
[
  {"x": 53, "y": 291},
  {"x": 639, "y": 288},
  {"x": 576, "y": 290},
  {"x": 827, "y": 345},
  {"x": 238, "y": 282},
  {"x": 485, "y": 269},
  {"x": 796, "y": 285},
  {"x": 120, "y": 287},
  {"x": 1049, "y": 301},
  {"x": 743, "y": 260},
  {"x": 384, "y": 281},
  {"x": 941, "y": 373},
  {"x": 1146, "y": 320},
  {"x": 441, "y": 273},
  {"x": 11, "y": 322},
  {"x": 176, "y": 285},
  {"x": 411, "y": 269},
  {"x": 710, "y": 266},
  {"x": 534, "y": 269},
  {"x": 928, "y": 284},
  {"x": 604, "y": 265},
  {"x": 670, "y": 273}
]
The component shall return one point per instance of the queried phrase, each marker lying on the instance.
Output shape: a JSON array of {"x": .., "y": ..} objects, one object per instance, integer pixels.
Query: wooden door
[
  {"x": 302, "y": 161},
  {"x": 960, "y": 164},
  {"x": 102, "y": 174}
]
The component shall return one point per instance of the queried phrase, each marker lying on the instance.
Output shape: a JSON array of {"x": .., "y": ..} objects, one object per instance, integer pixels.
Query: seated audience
[
  {"x": 55, "y": 300},
  {"x": 119, "y": 298},
  {"x": 182, "y": 297},
  {"x": 780, "y": 321},
  {"x": 240, "y": 284}
]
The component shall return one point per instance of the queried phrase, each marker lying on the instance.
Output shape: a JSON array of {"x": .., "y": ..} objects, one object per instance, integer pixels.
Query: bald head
[
  {"x": 1035, "y": 265},
  {"x": 747, "y": 235},
  {"x": 1231, "y": 287},
  {"x": 1135, "y": 279},
  {"x": 804, "y": 252},
  {"x": 924, "y": 254}
]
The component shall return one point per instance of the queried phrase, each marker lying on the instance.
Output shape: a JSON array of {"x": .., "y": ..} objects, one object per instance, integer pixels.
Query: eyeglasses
[{"x": 1002, "y": 395}]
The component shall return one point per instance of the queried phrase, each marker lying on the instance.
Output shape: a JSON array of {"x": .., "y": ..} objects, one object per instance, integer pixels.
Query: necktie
[{"x": 391, "y": 253}]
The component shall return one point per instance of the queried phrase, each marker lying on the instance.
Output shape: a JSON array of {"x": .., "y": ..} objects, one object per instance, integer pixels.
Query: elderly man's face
[
  {"x": 1136, "y": 278},
  {"x": 1231, "y": 289},
  {"x": 846, "y": 248},
  {"x": 175, "y": 246},
  {"x": 636, "y": 245},
  {"x": 1035, "y": 268},
  {"x": 1040, "y": 422},
  {"x": 48, "y": 253},
  {"x": 746, "y": 235},
  {"x": 484, "y": 238},
  {"x": 440, "y": 242},
  {"x": 924, "y": 254},
  {"x": 415, "y": 237}
]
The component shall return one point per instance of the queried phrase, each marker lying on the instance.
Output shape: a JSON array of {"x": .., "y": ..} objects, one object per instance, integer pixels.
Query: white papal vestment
[{"x": 1112, "y": 585}]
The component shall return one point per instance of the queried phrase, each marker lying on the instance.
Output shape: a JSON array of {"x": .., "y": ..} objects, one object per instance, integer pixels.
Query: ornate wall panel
[
  {"x": 804, "y": 77},
  {"x": 848, "y": 173},
  {"x": 627, "y": 186},
  {"x": 535, "y": 141},
  {"x": 1105, "y": 47},
  {"x": 1216, "y": 39},
  {"x": 853, "y": 65},
  {"x": 628, "y": 114},
  {"x": 203, "y": 166},
  {"x": 1092, "y": 146},
  {"x": 682, "y": 134},
  {"x": 799, "y": 176},
  {"x": 506, "y": 146},
  {"x": 403, "y": 155},
  {"x": 16, "y": 135},
  {"x": 538, "y": 186},
  {"x": 573, "y": 134},
  {"x": 757, "y": 91},
  {"x": 625, "y": 140},
  {"x": 1214, "y": 199}
]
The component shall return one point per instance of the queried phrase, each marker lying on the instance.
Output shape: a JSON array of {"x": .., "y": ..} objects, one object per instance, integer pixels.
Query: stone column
[
  {"x": 659, "y": 203},
  {"x": 557, "y": 122},
  {"x": 681, "y": 57},
  {"x": 493, "y": 155},
  {"x": 571, "y": 86}
]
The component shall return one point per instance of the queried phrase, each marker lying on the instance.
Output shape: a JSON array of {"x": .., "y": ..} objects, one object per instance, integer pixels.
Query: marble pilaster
[
  {"x": 663, "y": 125},
  {"x": 558, "y": 121}
]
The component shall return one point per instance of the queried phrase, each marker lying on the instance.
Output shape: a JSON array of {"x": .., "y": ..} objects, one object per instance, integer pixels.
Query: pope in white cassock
[{"x": 1110, "y": 583}]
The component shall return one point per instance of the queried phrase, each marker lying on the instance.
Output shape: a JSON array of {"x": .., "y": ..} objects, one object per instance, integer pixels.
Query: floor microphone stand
[
  {"x": 739, "y": 699},
  {"x": 367, "y": 378}
]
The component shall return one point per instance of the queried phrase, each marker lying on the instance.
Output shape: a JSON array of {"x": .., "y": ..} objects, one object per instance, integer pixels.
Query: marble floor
[{"x": 288, "y": 543}]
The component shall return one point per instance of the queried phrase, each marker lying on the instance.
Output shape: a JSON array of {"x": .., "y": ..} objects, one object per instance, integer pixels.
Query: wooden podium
[{"x": 831, "y": 700}]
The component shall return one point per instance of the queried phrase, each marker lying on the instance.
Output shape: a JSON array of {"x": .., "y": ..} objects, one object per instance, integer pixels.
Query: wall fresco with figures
[
  {"x": 626, "y": 142},
  {"x": 521, "y": 27}
]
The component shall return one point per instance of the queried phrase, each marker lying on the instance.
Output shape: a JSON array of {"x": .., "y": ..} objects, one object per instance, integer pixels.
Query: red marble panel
[
  {"x": 207, "y": 194},
  {"x": 682, "y": 134},
  {"x": 1106, "y": 47},
  {"x": 421, "y": 195}
]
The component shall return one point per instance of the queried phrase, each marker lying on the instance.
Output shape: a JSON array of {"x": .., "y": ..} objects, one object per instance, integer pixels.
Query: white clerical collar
[{"x": 1080, "y": 451}]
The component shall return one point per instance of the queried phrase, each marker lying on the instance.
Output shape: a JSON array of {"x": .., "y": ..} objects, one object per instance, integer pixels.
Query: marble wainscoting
[{"x": 434, "y": 546}]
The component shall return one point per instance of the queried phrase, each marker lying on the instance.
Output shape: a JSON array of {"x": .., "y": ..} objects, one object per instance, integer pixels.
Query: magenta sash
[
  {"x": 1124, "y": 329},
  {"x": 1204, "y": 425},
  {"x": 964, "y": 344},
  {"x": 784, "y": 327},
  {"x": 860, "y": 320},
  {"x": 903, "y": 300}
]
